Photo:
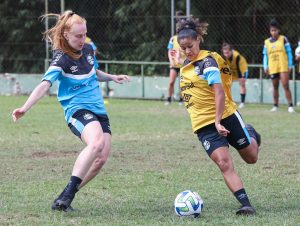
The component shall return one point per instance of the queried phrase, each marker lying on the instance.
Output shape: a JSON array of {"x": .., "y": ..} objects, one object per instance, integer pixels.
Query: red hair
[{"x": 56, "y": 34}]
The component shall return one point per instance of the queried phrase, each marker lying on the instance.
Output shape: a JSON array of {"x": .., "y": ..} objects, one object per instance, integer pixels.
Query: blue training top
[{"x": 78, "y": 86}]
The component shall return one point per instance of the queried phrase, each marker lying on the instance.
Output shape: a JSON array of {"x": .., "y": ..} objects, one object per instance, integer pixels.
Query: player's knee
[
  {"x": 224, "y": 164},
  {"x": 97, "y": 147},
  {"x": 251, "y": 159},
  {"x": 286, "y": 86},
  {"x": 171, "y": 83}
]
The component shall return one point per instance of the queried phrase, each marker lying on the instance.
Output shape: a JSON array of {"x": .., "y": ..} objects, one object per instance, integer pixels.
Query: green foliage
[
  {"x": 140, "y": 30},
  {"x": 154, "y": 156}
]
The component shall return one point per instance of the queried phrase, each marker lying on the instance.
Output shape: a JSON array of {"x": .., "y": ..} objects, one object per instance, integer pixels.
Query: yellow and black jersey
[
  {"x": 275, "y": 55},
  {"x": 238, "y": 65},
  {"x": 174, "y": 45},
  {"x": 196, "y": 78}
]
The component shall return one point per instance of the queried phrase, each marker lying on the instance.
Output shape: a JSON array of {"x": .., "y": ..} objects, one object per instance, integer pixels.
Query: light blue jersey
[{"x": 78, "y": 86}]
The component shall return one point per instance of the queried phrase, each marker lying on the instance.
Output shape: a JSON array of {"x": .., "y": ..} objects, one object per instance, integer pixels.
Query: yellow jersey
[
  {"x": 174, "y": 45},
  {"x": 277, "y": 56},
  {"x": 238, "y": 65},
  {"x": 198, "y": 95}
]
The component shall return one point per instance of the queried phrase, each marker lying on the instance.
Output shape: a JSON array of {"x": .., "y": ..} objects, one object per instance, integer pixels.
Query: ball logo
[
  {"x": 206, "y": 145},
  {"x": 87, "y": 116}
]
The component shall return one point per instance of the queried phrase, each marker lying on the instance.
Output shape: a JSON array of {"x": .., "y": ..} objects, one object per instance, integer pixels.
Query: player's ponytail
[
  {"x": 55, "y": 35},
  {"x": 191, "y": 28}
]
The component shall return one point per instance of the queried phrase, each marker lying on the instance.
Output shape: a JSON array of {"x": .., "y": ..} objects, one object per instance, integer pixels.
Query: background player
[
  {"x": 278, "y": 63},
  {"x": 75, "y": 67},
  {"x": 89, "y": 41},
  {"x": 174, "y": 48},
  {"x": 239, "y": 68}
]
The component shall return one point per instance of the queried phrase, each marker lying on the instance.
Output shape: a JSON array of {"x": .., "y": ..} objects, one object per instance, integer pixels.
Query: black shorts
[
  {"x": 275, "y": 76},
  {"x": 238, "y": 137},
  {"x": 83, "y": 117},
  {"x": 176, "y": 69}
]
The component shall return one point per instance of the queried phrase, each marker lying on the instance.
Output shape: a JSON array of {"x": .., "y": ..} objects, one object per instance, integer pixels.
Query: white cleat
[
  {"x": 242, "y": 105},
  {"x": 167, "y": 103},
  {"x": 274, "y": 109},
  {"x": 291, "y": 110}
]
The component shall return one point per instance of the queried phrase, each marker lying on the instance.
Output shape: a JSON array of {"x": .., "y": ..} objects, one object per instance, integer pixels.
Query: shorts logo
[
  {"x": 206, "y": 145},
  {"x": 87, "y": 116},
  {"x": 241, "y": 141}
]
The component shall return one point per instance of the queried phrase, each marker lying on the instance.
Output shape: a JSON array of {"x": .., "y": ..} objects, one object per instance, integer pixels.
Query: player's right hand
[
  {"x": 267, "y": 71},
  {"x": 175, "y": 56},
  {"x": 18, "y": 113}
]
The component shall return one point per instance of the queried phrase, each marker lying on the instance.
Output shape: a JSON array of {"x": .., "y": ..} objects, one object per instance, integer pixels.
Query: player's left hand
[
  {"x": 121, "y": 79},
  {"x": 290, "y": 70}
]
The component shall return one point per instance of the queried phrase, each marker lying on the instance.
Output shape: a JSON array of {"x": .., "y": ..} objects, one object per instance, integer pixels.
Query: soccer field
[{"x": 154, "y": 157}]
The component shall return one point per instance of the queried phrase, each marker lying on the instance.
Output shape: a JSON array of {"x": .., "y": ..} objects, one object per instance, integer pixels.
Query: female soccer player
[
  {"x": 205, "y": 82},
  {"x": 278, "y": 63},
  {"x": 173, "y": 47},
  {"x": 239, "y": 68},
  {"x": 75, "y": 67}
]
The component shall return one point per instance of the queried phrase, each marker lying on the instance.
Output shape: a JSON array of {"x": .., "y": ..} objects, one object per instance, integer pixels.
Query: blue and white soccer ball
[{"x": 188, "y": 203}]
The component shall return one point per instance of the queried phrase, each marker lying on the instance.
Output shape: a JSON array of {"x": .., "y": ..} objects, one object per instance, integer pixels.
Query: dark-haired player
[
  {"x": 205, "y": 82},
  {"x": 173, "y": 47},
  {"x": 239, "y": 68},
  {"x": 278, "y": 63}
]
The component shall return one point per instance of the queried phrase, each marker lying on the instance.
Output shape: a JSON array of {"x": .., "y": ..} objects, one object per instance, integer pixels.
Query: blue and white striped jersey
[{"x": 78, "y": 86}]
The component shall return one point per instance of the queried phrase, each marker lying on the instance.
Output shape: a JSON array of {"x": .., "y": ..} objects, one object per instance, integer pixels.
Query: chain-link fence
[{"x": 135, "y": 30}]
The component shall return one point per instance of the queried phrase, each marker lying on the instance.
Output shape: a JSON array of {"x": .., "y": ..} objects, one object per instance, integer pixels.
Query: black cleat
[
  {"x": 245, "y": 210},
  {"x": 63, "y": 204},
  {"x": 55, "y": 206}
]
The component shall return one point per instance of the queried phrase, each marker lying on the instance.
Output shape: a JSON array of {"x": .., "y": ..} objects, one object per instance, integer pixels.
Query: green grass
[{"x": 154, "y": 156}]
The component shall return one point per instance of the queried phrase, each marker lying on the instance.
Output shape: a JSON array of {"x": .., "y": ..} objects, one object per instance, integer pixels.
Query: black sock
[
  {"x": 169, "y": 99},
  {"x": 275, "y": 105},
  {"x": 63, "y": 192},
  {"x": 243, "y": 96},
  {"x": 242, "y": 197},
  {"x": 180, "y": 99},
  {"x": 72, "y": 187},
  {"x": 290, "y": 104}
]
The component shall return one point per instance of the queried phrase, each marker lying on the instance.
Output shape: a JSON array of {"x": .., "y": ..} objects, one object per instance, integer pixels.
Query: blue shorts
[
  {"x": 238, "y": 137},
  {"x": 83, "y": 117}
]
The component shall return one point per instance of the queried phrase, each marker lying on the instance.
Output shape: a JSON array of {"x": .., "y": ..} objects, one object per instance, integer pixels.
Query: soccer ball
[{"x": 188, "y": 203}]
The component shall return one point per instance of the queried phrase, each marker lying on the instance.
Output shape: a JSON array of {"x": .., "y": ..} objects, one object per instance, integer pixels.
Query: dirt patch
[{"x": 41, "y": 154}]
